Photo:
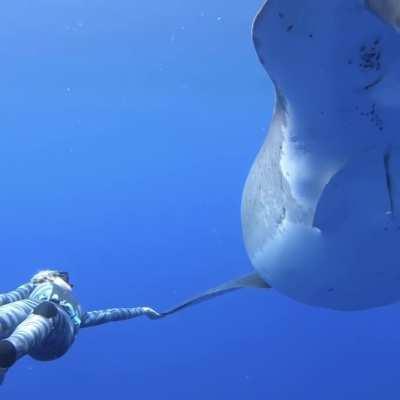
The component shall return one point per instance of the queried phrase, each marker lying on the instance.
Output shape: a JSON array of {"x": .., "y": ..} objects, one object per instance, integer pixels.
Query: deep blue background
[{"x": 127, "y": 129}]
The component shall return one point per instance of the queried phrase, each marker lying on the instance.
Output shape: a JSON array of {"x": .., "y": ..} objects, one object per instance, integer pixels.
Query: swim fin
[
  {"x": 3, "y": 372},
  {"x": 248, "y": 281}
]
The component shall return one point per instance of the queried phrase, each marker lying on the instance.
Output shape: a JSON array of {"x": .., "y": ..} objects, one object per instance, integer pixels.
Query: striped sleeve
[
  {"x": 94, "y": 318},
  {"x": 21, "y": 293}
]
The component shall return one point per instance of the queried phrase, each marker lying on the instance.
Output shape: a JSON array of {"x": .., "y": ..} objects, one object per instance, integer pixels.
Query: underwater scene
[{"x": 200, "y": 199}]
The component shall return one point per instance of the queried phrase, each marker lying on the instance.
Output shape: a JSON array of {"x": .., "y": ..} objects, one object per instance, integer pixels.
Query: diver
[{"x": 42, "y": 318}]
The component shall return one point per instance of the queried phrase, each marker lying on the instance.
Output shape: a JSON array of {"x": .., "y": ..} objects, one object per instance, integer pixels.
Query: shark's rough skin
[{"x": 321, "y": 205}]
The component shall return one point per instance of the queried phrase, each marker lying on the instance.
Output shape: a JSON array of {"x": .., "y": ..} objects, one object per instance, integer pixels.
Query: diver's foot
[
  {"x": 8, "y": 354},
  {"x": 150, "y": 313}
]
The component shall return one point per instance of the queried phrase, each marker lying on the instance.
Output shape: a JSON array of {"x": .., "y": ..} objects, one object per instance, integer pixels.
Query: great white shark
[{"x": 321, "y": 205}]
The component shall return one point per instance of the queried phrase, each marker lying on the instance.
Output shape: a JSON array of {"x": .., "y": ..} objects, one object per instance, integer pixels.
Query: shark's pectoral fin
[
  {"x": 248, "y": 281},
  {"x": 357, "y": 194}
]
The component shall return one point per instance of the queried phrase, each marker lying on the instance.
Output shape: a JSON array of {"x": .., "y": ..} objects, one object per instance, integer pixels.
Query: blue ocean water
[{"x": 127, "y": 131}]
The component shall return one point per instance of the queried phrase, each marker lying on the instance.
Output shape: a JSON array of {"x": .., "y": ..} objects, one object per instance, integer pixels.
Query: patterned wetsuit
[{"x": 42, "y": 320}]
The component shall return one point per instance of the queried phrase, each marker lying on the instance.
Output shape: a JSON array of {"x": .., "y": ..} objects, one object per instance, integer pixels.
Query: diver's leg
[
  {"x": 59, "y": 341},
  {"x": 29, "y": 334},
  {"x": 12, "y": 314}
]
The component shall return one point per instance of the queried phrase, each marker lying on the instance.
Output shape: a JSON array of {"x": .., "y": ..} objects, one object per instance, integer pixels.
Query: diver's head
[{"x": 60, "y": 278}]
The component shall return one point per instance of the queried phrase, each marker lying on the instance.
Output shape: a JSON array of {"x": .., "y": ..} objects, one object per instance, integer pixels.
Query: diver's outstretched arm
[
  {"x": 20, "y": 293},
  {"x": 94, "y": 318}
]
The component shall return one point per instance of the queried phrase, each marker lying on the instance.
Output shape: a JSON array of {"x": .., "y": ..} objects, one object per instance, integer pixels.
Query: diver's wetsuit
[{"x": 42, "y": 320}]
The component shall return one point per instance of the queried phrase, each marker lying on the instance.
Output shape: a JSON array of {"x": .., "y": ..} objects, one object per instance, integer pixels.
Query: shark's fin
[
  {"x": 365, "y": 186},
  {"x": 248, "y": 281}
]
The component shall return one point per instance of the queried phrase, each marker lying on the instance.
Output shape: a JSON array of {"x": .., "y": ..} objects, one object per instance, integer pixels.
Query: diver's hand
[{"x": 151, "y": 313}]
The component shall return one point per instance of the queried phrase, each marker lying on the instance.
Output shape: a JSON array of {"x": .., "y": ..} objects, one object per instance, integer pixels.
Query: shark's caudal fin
[{"x": 248, "y": 281}]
